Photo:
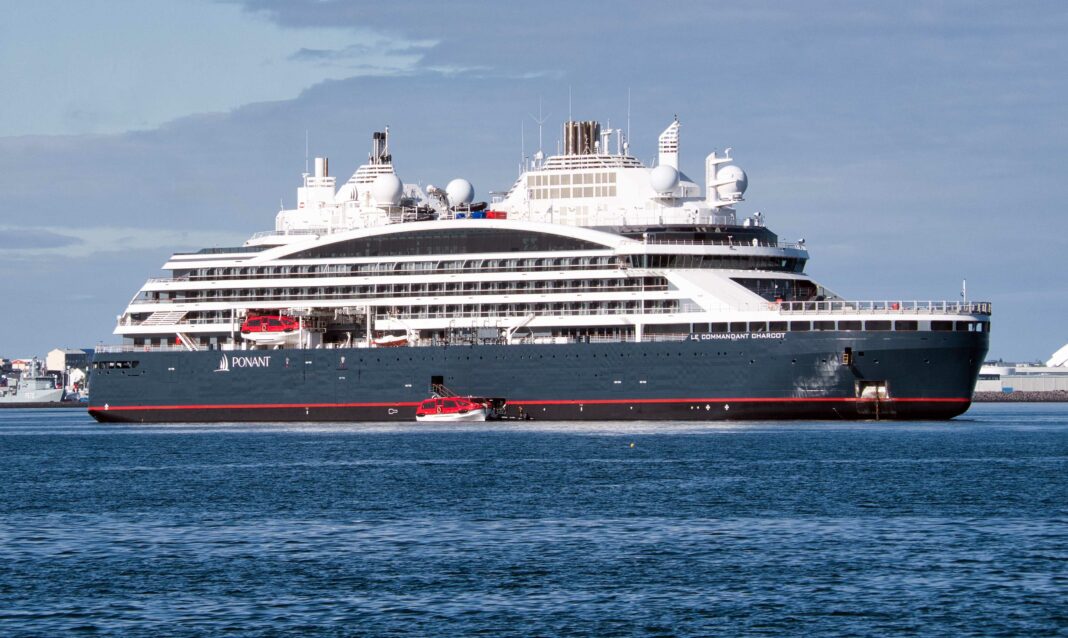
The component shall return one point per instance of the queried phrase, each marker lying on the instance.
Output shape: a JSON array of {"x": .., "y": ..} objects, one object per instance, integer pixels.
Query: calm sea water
[{"x": 655, "y": 529}]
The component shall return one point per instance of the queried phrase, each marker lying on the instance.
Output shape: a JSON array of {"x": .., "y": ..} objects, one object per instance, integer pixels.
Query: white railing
[
  {"x": 562, "y": 313},
  {"x": 156, "y": 280},
  {"x": 132, "y": 348},
  {"x": 361, "y": 343},
  {"x": 805, "y": 308},
  {"x": 359, "y": 298},
  {"x": 733, "y": 244},
  {"x": 346, "y": 272},
  {"x": 892, "y": 307},
  {"x": 292, "y": 231}
]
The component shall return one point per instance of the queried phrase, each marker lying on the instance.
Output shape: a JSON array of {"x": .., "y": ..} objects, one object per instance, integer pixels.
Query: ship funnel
[
  {"x": 580, "y": 138},
  {"x": 380, "y": 147}
]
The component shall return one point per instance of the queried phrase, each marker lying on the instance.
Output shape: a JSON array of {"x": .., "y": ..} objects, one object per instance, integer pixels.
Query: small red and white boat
[
  {"x": 270, "y": 330},
  {"x": 390, "y": 341},
  {"x": 451, "y": 409}
]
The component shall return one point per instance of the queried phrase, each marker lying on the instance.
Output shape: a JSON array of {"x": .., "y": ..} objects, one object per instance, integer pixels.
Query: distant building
[
  {"x": 63, "y": 359},
  {"x": 22, "y": 364},
  {"x": 998, "y": 376}
]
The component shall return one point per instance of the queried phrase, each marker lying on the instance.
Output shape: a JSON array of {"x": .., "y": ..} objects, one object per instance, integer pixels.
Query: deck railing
[
  {"x": 730, "y": 243},
  {"x": 361, "y": 343},
  {"x": 292, "y": 231},
  {"x": 422, "y": 294},
  {"x": 883, "y": 307},
  {"x": 346, "y": 272}
]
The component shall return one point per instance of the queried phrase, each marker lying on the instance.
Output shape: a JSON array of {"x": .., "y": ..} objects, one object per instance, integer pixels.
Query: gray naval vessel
[
  {"x": 596, "y": 288},
  {"x": 29, "y": 387}
]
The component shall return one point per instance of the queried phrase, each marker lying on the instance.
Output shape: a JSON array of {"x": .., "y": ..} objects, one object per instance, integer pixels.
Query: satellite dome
[
  {"x": 664, "y": 178},
  {"x": 736, "y": 182},
  {"x": 460, "y": 191},
  {"x": 387, "y": 189}
]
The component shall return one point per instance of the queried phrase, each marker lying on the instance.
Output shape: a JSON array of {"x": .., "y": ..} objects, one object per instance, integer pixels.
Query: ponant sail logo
[{"x": 225, "y": 363}]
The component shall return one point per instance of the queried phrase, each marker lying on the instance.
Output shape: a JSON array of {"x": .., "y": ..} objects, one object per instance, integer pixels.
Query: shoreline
[
  {"x": 47, "y": 404},
  {"x": 1051, "y": 396}
]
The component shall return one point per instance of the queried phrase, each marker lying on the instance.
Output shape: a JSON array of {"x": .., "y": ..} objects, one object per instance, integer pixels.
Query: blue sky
[{"x": 911, "y": 144}]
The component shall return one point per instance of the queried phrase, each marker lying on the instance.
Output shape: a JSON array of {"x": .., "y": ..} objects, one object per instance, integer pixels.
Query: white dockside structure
[{"x": 589, "y": 244}]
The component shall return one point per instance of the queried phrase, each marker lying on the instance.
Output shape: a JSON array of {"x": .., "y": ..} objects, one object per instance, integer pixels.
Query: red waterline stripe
[
  {"x": 269, "y": 406},
  {"x": 253, "y": 406},
  {"x": 743, "y": 400}
]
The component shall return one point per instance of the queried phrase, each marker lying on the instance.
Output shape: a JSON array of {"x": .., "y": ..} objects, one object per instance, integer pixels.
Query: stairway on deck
[{"x": 164, "y": 318}]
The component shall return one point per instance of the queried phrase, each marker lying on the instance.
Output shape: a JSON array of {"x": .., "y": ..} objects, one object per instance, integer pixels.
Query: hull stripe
[
  {"x": 254, "y": 406},
  {"x": 269, "y": 406},
  {"x": 744, "y": 400}
]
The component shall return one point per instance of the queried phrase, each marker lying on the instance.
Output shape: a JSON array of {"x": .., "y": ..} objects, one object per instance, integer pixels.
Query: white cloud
[
  {"x": 44, "y": 242},
  {"x": 75, "y": 68}
]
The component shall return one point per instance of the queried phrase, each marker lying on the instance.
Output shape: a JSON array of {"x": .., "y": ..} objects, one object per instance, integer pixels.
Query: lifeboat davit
[
  {"x": 451, "y": 409},
  {"x": 270, "y": 330}
]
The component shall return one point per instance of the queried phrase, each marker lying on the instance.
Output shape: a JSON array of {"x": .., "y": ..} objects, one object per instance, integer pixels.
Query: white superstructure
[
  {"x": 588, "y": 244},
  {"x": 589, "y": 185}
]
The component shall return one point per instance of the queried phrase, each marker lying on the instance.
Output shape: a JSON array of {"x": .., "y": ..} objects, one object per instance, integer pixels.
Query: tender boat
[
  {"x": 390, "y": 341},
  {"x": 270, "y": 330},
  {"x": 451, "y": 409}
]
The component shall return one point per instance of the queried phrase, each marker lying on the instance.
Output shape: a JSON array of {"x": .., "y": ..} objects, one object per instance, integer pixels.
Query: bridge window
[
  {"x": 780, "y": 289},
  {"x": 446, "y": 242}
]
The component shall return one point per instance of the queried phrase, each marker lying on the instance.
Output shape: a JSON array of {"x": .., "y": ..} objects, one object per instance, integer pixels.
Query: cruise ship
[{"x": 596, "y": 288}]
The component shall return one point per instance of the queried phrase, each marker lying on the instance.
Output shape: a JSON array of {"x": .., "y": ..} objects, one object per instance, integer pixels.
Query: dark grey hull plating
[{"x": 926, "y": 375}]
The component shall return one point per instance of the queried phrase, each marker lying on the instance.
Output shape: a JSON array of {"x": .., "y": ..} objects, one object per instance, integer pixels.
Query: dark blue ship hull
[{"x": 885, "y": 375}]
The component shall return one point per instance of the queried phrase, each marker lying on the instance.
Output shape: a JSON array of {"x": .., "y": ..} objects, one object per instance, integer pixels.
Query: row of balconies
[{"x": 434, "y": 289}]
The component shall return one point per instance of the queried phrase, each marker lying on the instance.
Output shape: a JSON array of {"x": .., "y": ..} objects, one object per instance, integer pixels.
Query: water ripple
[{"x": 866, "y": 529}]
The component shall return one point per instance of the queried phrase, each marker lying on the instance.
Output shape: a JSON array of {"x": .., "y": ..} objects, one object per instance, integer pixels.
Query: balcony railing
[
  {"x": 359, "y": 297},
  {"x": 361, "y": 343}
]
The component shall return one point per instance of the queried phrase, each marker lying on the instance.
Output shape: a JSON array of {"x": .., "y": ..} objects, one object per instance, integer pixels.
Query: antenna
[
  {"x": 305, "y": 150},
  {"x": 539, "y": 120},
  {"x": 569, "y": 118},
  {"x": 522, "y": 145},
  {"x": 628, "y": 113}
]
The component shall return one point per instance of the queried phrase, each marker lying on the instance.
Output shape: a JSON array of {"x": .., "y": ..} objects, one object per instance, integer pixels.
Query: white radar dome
[
  {"x": 664, "y": 178},
  {"x": 387, "y": 189},
  {"x": 460, "y": 191},
  {"x": 736, "y": 182}
]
